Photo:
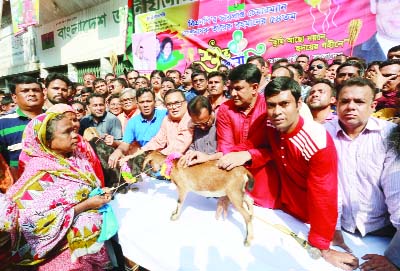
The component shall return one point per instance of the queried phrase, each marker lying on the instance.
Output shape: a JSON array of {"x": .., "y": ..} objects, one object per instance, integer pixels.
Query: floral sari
[{"x": 45, "y": 227}]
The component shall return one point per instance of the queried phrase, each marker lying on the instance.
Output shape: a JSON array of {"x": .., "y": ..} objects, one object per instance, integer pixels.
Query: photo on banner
[{"x": 145, "y": 48}]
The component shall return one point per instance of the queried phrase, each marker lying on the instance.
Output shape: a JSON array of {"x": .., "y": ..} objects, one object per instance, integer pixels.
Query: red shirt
[
  {"x": 307, "y": 163},
  {"x": 233, "y": 129}
]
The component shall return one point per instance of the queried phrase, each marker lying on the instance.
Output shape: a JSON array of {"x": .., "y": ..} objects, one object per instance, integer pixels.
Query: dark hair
[
  {"x": 196, "y": 66},
  {"x": 373, "y": 63},
  {"x": 7, "y": 99},
  {"x": 223, "y": 75},
  {"x": 303, "y": 55},
  {"x": 197, "y": 103},
  {"x": 162, "y": 45},
  {"x": 197, "y": 73},
  {"x": 129, "y": 71},
  {"x": 76, "y": 84},
  {"x": 144, "y": 77},
  {"x": 326, "y": 82},
  {"x": 282, "y": 60},
  {"x": 283, "y": 83},
  {"x": 222, "y": 66},
  {"x": 174, "y": 71},
  {"x": 320, "y": 59},
  {"x": 54, "y": 76},
  {"x": 248, "y": 72},
  {"x": 142, "y": 91},
  {"x": 389, "y": 62},
  {"x": 22, "y": 79},
  {"x": 257, "y": 58},
  {"x": 109, "y": 74},
  {"x": 120, "y": 80},
  {"x": 94, "y": 95},
  {"x": 358, "y": 59},
  {"x": 394, "y": 49},
  {"x": 291, "y": 74},
  {"x": 168, "y": 79},
  {"x": 357, "y": 81},
  {"x": 99, "y": 80},
  {"x": 51, "y": 127},
  {"x": 86, "y": 90},
  {"x": 170, "y": 91},
  {"x": 297, "y": 67},
  {"x": 352, "y": 63},
  {"x": 157, "y": 72}
]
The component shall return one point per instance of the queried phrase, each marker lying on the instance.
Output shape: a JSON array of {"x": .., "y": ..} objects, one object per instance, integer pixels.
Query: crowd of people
[{"x": 320, "y": 139}]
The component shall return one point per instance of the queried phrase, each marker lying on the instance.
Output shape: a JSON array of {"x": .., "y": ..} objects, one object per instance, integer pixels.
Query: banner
[
  {"x": 24, "y": 13},
  {"x": 227, "y": 32}
]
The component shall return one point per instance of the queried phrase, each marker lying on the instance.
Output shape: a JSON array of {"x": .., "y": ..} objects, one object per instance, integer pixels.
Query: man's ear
[
  {"x": 333, "y": 100},
  {"x": 255, "y": 87},
  {"x": 14, "y": 97}
]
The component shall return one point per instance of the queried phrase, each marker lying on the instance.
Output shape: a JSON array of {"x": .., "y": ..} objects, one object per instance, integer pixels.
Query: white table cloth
[{"x": 197, "y": 241}]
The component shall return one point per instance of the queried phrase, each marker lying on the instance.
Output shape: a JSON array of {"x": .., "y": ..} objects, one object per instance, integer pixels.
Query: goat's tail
[{"x": 250, "y": 182}]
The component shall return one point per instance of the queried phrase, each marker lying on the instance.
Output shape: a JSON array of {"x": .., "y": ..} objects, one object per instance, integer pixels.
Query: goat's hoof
[
  {"x": 174, "y": 217},
  {"x": 247, "y": 243}
]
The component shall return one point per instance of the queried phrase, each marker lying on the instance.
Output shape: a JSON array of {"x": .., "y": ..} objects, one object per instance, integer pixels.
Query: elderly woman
[{"x": 53, "y": 222}]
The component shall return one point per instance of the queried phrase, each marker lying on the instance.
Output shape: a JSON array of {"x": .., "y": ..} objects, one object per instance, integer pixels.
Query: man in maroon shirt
[
  {"x": 237, "y": 119},
  {"x": 307, "y": 164}
]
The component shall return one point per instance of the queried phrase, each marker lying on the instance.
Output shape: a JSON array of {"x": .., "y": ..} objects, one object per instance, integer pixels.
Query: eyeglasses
[
  {"x": 80, "y": 110},
  {"x": 349, "y": 74},
  {"x": 319, "y": 67},
  {"x": 174, "y": 105},
  {"x": 202, "y": 124}
]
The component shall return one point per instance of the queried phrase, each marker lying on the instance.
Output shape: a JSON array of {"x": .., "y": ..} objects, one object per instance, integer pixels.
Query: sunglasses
[
  {"x": 81, "y": 110},
  {"x": 319, "y": 67}
]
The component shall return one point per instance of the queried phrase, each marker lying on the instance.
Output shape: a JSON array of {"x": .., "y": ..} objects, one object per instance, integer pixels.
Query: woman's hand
[{"x": 98, "y": 201}]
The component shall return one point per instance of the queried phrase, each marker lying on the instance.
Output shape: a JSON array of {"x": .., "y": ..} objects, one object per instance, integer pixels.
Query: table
[{"x": 197, "y": 241}]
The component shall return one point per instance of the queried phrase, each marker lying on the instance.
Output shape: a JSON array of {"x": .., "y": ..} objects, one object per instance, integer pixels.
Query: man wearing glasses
[
  {"x": 317, "y": 69},
  {"x": 175, "y": 133}
]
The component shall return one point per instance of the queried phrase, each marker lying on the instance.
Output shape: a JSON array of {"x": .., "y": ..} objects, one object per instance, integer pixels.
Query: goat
[
  {"x": 208, "y": 180},
  {"x": 103, "y": 151}
]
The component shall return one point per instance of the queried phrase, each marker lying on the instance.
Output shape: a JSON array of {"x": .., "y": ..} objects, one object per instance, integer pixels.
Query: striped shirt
[
  {"x": 307, "y": 163},
  {"x": 12, "y": 126},
  {"x": 369, "y": 177}
]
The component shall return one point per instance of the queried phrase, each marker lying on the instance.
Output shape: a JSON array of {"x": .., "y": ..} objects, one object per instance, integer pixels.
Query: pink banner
[{"x": 227, "y": 32}]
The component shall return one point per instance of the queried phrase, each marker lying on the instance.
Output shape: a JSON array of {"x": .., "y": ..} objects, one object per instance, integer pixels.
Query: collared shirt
[
  {"x": 124, "y": 118},
  {"x": 190, "y": 94},
  {"x": 205, "y": 141},
  {"x": 307, "y": 163},
  {"x": 108, "y": 124},
  {"x": 141, "y": 130},
  {"x": 234, "y": 128},
  {"x": 174, "y": 136},
  {"x": 369, "y": 174},
  {"x": 12, "y": 126}
]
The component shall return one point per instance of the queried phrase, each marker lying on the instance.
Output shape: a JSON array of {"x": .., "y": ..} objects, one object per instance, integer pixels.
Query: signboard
[{"x": 227, "y": 32}]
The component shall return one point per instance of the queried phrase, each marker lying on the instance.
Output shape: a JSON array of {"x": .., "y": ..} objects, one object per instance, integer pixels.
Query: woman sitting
[{"x": 53, "y": 222}]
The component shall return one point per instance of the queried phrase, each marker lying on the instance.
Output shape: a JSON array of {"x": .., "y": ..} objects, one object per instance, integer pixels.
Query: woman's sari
[{"x": 44, "y": 197}]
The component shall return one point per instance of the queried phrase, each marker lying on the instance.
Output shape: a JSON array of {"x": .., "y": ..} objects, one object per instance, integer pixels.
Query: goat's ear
[{"x": 145, "y": 162}]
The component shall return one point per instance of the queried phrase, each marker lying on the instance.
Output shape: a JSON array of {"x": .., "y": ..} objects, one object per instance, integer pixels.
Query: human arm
[
  {"x": 117, "y": 154},
  {"x": 92, "y": 203},
  {"x": 196, "y": 157},
  {"x": 180, "y": 140},
  {"x": 159, "y": 141}
]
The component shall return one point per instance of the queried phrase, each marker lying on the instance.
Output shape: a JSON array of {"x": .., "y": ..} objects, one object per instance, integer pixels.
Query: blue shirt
[
  {"x": 108, "y": 124},
  {"x": 141, "y": 130},
  {"x": 12, "y": 126}
]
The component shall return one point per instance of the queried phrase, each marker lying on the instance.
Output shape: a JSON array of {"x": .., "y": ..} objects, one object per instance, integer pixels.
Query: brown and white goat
[{"x": 208, "y": 180}]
